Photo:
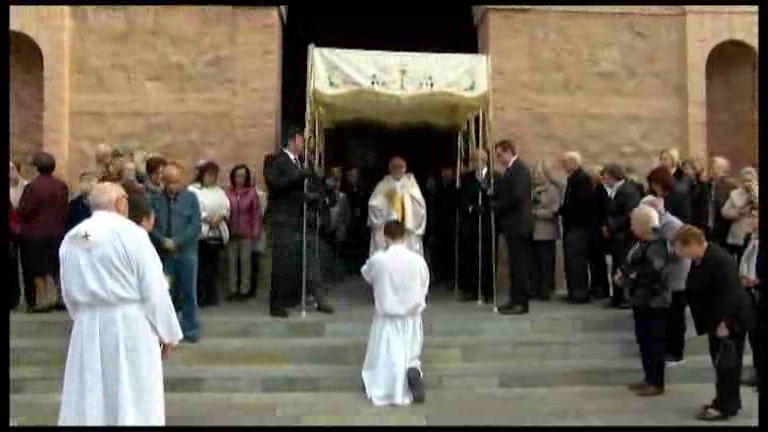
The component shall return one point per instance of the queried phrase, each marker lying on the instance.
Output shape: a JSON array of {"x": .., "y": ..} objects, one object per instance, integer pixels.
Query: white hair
[
  {"x": 104, "y": 196},
  {"x": 574, "y": 157},
  {"x": 646, "y": 216}
]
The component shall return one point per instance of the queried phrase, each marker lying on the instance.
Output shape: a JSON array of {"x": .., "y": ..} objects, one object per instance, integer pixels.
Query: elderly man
[
  {"x": 721, "y": 309},
  {"x": 622, "y": 199},
  {"x": 642, "y": 275},
  {"x": 124, "y": 322},
  {"x": 175, "y": 235},
  {"x": 103, "y": 157},
  {"x": 675, "y": 275},
  {"x": 398, "y": 197},
  {"x": 579, "y": 216}
]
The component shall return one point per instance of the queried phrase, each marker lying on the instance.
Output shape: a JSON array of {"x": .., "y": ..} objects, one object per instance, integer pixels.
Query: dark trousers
[
  {"x": 13, "y": 276},
  {"x": 757, "y": 337},
  {"x": 255, "y": 266},
  {"x": 518, "y": 250},
  {"x": 728, "y": 380},
  {"x": 676, "y": 326},
  {"x": 208, "y": 273},
  {"x": 599, "y": 285},
  {"x": 650, "y": 328},
  {"x": 470, "y": 259},
  {"x": 181, "y": 269},
  {"x": 543, "y": 268},
  {"x": 576, "y": 256},
  {"x": 287, "y": 243}
]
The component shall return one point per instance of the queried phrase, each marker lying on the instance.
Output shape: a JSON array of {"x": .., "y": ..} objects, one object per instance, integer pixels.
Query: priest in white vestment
[
  {"x": 114, "y": 288},
  {"x": 398, "y": 197},
  {"x": 400, "y": 280}
]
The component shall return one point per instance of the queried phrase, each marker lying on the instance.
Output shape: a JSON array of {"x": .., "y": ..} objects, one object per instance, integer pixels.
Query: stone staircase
[{"x": 480, "y": 368}]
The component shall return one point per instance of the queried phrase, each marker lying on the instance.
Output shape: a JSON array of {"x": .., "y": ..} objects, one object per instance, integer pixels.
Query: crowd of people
[{"x": 685, "y": 238}]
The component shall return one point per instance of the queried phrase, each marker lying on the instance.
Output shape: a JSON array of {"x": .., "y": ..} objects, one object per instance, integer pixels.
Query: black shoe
[
  {"x": 416, "y": 384},
  {"x": 279, "y": 313},
  {"x": 513, "y": 310},
  {"x": 233, "y": 297},
  {"x": 190, "y": 340},
  {"x": 467, "y": 297},
  {"x": 324, "y": 308}
]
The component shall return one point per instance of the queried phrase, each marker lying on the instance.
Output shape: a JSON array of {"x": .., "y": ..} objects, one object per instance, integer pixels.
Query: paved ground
[{"x": 593, "y": 406}]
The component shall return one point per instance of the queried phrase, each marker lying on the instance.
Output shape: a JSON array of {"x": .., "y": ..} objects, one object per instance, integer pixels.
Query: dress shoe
[
  {"x": 190, "y": 340},
  {"x": 637, "y": 386},
  {"x": 279, "y": 313},
  {"x": 324, "y": 308},
  {"x": 649, "y": 391},
  {"x": 513, "y": 310},
  {"x": 416, "y": 384},
  {"x": 467, "y": 297},
  {"x": 578, "y": 301}
]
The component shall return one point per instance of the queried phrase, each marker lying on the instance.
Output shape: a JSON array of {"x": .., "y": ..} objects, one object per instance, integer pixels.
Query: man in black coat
[
  {"x": 285, "y": 177},
  {"x": 475, "y": 221},
  {"x": 357, "y": 243},
  {"x": 721, "y": 309},
  {"x": 512, "y": 202},
  {"x": 622, "y": 199},
  {"x": 579, "y": 222}
]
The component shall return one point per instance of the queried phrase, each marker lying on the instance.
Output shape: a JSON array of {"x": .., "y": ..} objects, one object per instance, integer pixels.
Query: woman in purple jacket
[{"x": 244, "y": 227}]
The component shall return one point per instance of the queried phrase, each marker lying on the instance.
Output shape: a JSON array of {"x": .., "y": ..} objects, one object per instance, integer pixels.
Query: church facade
[{"x": 615, "y": 82}]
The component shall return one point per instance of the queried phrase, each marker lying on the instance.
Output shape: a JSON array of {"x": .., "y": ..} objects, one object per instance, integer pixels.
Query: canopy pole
[
  {"x": 307, "y": 137},
  {"x": 456, "y": 220},
  {"x": 475, "y": 144},
  {"x": 491, "y": 145},
  {"x": 319, "y": 142}
]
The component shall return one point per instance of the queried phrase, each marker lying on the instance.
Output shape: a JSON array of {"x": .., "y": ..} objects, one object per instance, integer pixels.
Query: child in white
[{"x": 400, "y": 281}]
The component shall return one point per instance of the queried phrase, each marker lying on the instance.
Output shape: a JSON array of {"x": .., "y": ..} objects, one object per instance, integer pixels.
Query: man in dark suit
[
  {"x": 721, "y": 309},
  {"x": 709, "y": 197},
  {"x": 285, "y": 177},
  {"x": 512, "y": 202},
  {"x": 622, "y": 199},
  {"x": 579, "y": 223},
  {"x": 475, "y": 220}
]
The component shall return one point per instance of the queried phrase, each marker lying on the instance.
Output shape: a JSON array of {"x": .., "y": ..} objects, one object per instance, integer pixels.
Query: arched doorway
[
  {"x": 27, "y": 99},
  {"x": 732, "y": 125}
]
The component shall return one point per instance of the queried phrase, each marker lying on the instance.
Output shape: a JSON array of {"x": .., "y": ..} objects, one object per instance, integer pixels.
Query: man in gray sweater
[{"x": 675, "y": 275}]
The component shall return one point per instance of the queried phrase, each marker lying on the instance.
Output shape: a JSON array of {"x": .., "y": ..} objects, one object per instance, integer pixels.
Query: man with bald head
[
  {"x": 175, "y": 235},
  {"x": 124, "y": 322},
  {"x": 580, "y": 224},
  {"x": 398, "y": 197}
]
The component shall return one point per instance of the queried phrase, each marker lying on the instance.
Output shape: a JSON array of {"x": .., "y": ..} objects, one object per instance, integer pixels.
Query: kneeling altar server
[
  {"x": 400, "y": 279},
  {"x": 115, "y": 291}
]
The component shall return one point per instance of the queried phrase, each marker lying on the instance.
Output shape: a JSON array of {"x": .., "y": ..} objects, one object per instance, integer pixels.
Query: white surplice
[
  {"x": 400, "y": 281},
  {"x": 414, "y": 212},
  {"x": 114, "y": 288}
]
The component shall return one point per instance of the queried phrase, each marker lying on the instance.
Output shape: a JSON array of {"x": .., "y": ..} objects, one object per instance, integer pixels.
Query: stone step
[
  {"x": 442, "y": 320},
  {"x": 520, "y": 373},
  {"x": 438, "y": 351},
  {"x": 608, "y": 406}
]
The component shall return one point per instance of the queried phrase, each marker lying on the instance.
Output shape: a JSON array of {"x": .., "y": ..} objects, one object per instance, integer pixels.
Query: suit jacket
[
  {"x": 702, "y": 193},
  {"x": 678, "y": 202},
  {"x": 618, "y": 211},
  {"x": 285, "y": 182},
  {"x": 715, "y": 293},
  {"x": 512, "y": 201},
  {"x": 578, "y": 210}
]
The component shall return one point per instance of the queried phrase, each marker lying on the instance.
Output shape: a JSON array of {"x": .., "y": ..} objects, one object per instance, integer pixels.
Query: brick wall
[
  {"x": 26, "y": 98},
  {"x": 187, "y": 82},
  {"x": 609, "y": 85}
]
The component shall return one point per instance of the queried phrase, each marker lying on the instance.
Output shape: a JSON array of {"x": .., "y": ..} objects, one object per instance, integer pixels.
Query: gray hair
[
  {"x": 573, "y": 156},
  {"x": 646, "y": 216},
  {"x": 104, "y": 196}
]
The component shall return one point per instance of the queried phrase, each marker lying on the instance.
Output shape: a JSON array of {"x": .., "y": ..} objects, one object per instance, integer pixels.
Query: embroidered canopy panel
[{"x": 397, "y": 88}]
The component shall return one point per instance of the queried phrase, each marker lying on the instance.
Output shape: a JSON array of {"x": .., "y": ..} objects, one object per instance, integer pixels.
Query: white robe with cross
[
  {"x": 414, "y": 212},
  {"x": 400, "y": 281},
  {"x": 114, "y": 289}
]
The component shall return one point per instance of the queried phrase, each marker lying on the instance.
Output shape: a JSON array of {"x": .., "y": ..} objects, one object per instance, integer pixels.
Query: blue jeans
[{"x": 182, "y": 270}]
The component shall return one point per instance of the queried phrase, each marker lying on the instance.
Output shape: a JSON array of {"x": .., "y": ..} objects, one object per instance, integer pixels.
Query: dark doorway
[
  {"x": 449, "y": 28},
  {"x": 27, "y": 99}
]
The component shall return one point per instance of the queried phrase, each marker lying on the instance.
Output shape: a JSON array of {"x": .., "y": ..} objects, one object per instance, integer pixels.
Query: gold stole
[{"x": 398, "y": 206}]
